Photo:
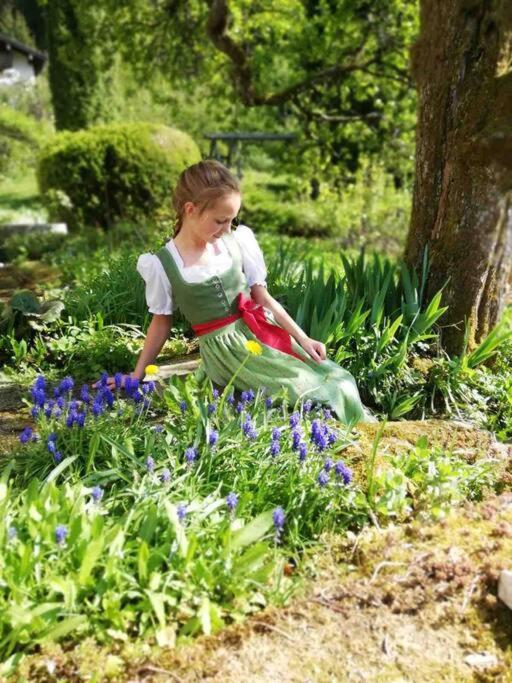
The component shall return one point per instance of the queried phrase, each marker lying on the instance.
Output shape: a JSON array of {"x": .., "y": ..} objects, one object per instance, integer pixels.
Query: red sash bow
[{"x": 253, "y": 315}]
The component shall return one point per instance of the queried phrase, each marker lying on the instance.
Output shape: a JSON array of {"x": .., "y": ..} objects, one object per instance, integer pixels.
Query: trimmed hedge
[{"x": 112, "y": 172}]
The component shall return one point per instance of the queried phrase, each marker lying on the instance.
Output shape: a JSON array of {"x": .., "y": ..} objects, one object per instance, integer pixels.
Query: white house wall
[
  {"x": 23, "y": 66},
  {"x": 21, "y": 70}
]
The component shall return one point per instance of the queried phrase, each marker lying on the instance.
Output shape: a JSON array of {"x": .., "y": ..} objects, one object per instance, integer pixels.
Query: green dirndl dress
[{"x": 223, "y": 350}]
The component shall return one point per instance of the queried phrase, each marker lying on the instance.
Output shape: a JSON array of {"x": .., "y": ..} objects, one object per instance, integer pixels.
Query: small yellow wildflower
[
  {"x": 151, "y": 369},
  {"x": 253, "y": 347}
]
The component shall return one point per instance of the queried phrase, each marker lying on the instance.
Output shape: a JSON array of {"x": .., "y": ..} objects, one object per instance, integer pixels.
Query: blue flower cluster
[
  {"x": 182, "y": 512},
  {"x": 191, "y": 455},
  {"x": 278, "y": 517},
  {"x": 248, "y": 428},
  {"x": 97, "y": 494},
  {"x": 247, "y": 396},
  {"x": 343, "y": 472},
  {"x": 27, "y": 435},
  {"x": 61, "y": 533},
  {"x": 322, "y": 436},
  {"x": 77, "y": 411},
  {"x": 231, "y": 501}
]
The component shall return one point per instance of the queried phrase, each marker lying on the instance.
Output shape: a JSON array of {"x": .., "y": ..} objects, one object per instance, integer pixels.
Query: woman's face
[{"x": 215, "y": 220}]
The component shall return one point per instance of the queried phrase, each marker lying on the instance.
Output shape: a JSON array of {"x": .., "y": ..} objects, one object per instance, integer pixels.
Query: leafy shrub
[
  {"x": 114, "y": 171},
  {"x": 31, "y": 246},
  {"x": 117, "y": 292},
  {"x": 368, "y": 209},
  {"x": 20, "y": 138}
]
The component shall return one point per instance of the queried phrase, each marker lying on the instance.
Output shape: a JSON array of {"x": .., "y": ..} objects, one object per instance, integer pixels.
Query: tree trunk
[
  {"x": 80, "y": 63},
  {"x": 462, "y": 205}
]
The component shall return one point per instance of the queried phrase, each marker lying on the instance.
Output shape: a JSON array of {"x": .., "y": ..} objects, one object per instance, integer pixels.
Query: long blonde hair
[{"x": 202, "y": 183}]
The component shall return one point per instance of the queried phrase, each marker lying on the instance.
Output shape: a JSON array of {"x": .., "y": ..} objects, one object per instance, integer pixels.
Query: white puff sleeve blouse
[{"x": 158, "y": 288}]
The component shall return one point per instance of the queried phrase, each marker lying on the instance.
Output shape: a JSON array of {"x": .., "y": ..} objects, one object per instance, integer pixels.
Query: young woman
[{"x": 216, "y": 277}]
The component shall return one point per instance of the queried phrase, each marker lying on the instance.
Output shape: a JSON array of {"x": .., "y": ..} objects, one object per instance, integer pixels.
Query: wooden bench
[{"x": 234, "y": 142}]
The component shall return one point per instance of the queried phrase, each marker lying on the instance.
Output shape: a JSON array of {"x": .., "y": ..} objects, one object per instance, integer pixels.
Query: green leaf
[
  {"x": 25, "y": 301},
  {"x": 60, "y": 468},
  {"x": 142, "y": 561},
  {"x": 204, "y": 616},
  {"x": 63, "y": 628},
  {"x": 91, "y": 556},
  {"x": 172, "y": 514},
  {"x": 253, "y": 531},
  {"x": 157, "y": 601}
]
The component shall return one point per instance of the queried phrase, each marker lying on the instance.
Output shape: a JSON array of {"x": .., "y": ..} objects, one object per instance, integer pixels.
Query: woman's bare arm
[
  {"x": 156, "y": 336},
  {"x": 316, "y": 349}
]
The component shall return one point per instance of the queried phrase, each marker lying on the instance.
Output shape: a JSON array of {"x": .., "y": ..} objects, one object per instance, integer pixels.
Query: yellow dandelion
[
  {"x": 253, "y": 347},
  {"x": 151, "y": 369}
]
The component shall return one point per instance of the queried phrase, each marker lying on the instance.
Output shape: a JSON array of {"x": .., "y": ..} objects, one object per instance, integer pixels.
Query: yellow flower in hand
[
  {"x": 253, "y": 347},
  {"x": 151, "y": 369}
]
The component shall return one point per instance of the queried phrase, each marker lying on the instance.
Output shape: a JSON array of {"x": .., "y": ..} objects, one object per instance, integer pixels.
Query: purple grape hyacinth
[
  {"x": 26, "y": 435},
  {"x": 303, "y": 451},
  {"x": 231, "y": 501},
  {"x": 66, "y": 385},
  {"x": 61, "y": 533},
  {"x": 296, "y": 438},
  {"x": 97, "y": 493},
  {"x": 150, "y": 464},
  {"x": 328, "y": 464},
  {"x": 213, "y": 438},
  {"x": 165, "y": 475},
  {"x": 278, "y": 518},
  {"x": 191, "y": 455},
  {"x": 343, "y": 472},
  {"x": 276, "y": 434},
  {"x": 294, "y": 419},
  {"x": 275, "y": 448},
  {"x": 182, "y": 512},
  {"x": 247, "y": 425},
  {"x": 323, "y": 478}
]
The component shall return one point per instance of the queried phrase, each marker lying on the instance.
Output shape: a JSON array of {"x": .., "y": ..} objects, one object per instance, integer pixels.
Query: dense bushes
[
  {"x": 107, "y": 173},
  {"x": 369, "y": 208}
]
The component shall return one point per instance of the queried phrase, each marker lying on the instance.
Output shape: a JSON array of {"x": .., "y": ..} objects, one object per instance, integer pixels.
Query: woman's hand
[{"x": 315, "y": 349}]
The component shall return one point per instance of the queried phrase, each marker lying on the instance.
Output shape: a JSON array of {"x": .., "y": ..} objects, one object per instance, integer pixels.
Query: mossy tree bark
[{"x": 462, "y": 205}]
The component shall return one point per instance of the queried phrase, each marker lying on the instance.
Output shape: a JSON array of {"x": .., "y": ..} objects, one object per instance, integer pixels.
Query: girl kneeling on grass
[{"x": 216, "y": 277}]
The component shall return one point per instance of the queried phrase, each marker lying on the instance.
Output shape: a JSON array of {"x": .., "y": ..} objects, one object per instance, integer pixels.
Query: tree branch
[
  {"x": 217, "y": 30},
  {"x": 343, "y": 118}
]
